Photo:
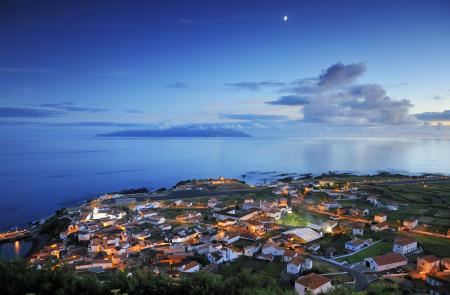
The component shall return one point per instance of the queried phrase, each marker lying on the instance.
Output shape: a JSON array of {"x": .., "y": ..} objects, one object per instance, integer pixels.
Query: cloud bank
[{"x": 335, "y": 98}]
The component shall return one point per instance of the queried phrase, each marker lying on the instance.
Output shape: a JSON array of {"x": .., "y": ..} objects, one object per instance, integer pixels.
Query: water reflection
[{"x": 16, "y": 249}]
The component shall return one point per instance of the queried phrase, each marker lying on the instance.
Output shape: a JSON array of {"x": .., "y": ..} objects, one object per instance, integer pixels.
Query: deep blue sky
[{"x": 166, "y": 63}]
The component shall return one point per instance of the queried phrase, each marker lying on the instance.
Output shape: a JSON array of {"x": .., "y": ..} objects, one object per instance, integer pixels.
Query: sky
[{"x": 333, "y": 67}]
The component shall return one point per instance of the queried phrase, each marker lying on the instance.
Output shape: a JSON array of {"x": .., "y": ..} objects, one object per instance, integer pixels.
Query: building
[
  {"x": 192, "y": 266},
  {"x": 404, "y": 245},
  {"x": 358, "y": 229},
  {"x": 440, "y": 284},
  {"x": 380, "y": 226},
  {"x": 380, "y": 217},
  {"x": 297, "y": 263},
  {"x": 385, "y": 262},
  {"x": 355, "y": 245},
  {"x": 373, "y": 200},
  {"x": 392, "y": 207},
  {"x": 428, "y": 264},
  {"x": 250, "y": 250},
  {"x": 272, "y": 248},
  {"x": 410, "y": 223},
  {"x": 312, "y": 284}
]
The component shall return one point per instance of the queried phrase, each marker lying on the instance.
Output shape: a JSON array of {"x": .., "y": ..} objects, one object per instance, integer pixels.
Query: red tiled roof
[
  {"x": 312, "y": 281},
  {"x": 389, "y": 258},
  {"x": 403, "y": 241}
]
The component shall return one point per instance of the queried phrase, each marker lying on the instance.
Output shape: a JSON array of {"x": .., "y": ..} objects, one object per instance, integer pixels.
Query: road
[{"x": 361, "y": 281}]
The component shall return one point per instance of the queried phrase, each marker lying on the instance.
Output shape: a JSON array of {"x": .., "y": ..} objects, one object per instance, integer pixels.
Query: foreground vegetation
[{"x": 18, "y": 278}]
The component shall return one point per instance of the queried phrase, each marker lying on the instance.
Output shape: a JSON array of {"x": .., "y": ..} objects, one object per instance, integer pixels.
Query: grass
[
  {"x": 431, "y": 245},
  {"x": 336, "y": 241},
  {"x": 300, "y": 218},
  {"x": 266, "y": 268},
  {"x": 375, "y": 250},
  {"x": 322, "y": 267}
]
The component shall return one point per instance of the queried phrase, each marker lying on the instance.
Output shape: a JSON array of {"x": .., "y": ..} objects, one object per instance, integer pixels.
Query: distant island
[{"x": 178, "y": 132}]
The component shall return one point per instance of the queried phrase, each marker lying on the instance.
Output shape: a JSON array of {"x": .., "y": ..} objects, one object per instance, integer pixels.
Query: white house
[
  {"x": 250, "y": 250},
  {"x": 297, "y": 263},
  {"x": 192, "y": 266},
  {"x": 373, "y": 200},
  {"x": 392, "y": 207},
  {"x": 217, "y": 257},
  {"x": 355, "y": 245},
  {"x": 272, "y": 248},
  {"x": 358, "y": 229},
  {"x": 404, "y": 245},
  {"x": 386, "y": 261},
  {"x": 379, "y": 226},
  {"x": 313, "y": 283}
]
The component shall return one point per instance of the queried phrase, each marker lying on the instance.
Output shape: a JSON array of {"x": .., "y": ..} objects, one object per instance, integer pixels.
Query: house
[
  {"x": 294, "y": 266},
  {"x": 192, "y": 266},
  {"x": 355, "y": 245},
  {"x": 392, "y": 207},
  {"x": 274, "y": 213},
  {"x": 404, "y": 245},
  {"x": 358, "y": 229},
  {"x": 265, "y": 257},
  {"x": 233, "y": 252},
  {"x": 217, "y": 257},
  {"x": 230, "y": 238},
  {"x": 380, "y": 217},
  {"x": 440, "y": 284},
  {"x": 428, "y": 264},
  {"x": 255, "y": 225},
  {"x": 445, "y": 263},
  {"x": 385, "y": 262},
  {"x": 272, "y": 248},
  {"x": 373, "y": 200},
  {"x": 288, "y": 255},
  {"x": 410, "y": 223},
  {"x": 84, "y": 236},
  {"x": 314, "y": 247},
  {"x": 380, "y": 226},
  {"x": 312, "y": 284},
  {"x": 250, "y": 250}
]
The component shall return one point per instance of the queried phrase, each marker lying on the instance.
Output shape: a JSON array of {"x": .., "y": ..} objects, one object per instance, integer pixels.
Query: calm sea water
[{"x": 37, "y": 177}]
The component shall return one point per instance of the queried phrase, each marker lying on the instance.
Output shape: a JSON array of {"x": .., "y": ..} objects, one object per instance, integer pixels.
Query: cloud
[
  {"x": 20, "y": 112},
  {"x": 253, "y": 117},
  {"x": 72, "y": 124},
  {"x": 70, "y": 107},
  {"x": 334, "y": 98},
  {"x": 178, "y": 85},
  {"x": 10, "y": 70},
  {"x": 437, "y": 97},
  {"x": 434, "y": 116},
  {"x": 254, "y": 86},
  {"x": 291, "y": 100},
  {"x": 132, "y": 111},
  {"x": 340, "y": 74}
]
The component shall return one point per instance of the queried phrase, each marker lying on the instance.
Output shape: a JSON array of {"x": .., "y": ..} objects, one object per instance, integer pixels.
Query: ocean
[{"x": 39, "y": 176}]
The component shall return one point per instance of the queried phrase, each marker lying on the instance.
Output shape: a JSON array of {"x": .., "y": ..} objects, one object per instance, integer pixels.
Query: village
[{"x": 313, "y": 235}]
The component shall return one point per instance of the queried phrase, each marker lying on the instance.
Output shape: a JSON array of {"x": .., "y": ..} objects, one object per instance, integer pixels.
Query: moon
[{"x": 285, "y": 18}]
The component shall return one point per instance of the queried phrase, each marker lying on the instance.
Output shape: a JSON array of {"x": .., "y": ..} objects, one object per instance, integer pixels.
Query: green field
[
  {"x": 375, "y": 250},
  {"x": 431, "y": 245},
  {"x": 300, "y": 218}
]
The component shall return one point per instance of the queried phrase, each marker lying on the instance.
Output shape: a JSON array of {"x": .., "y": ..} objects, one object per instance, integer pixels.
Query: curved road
[{"x": 361, "y": 281}]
